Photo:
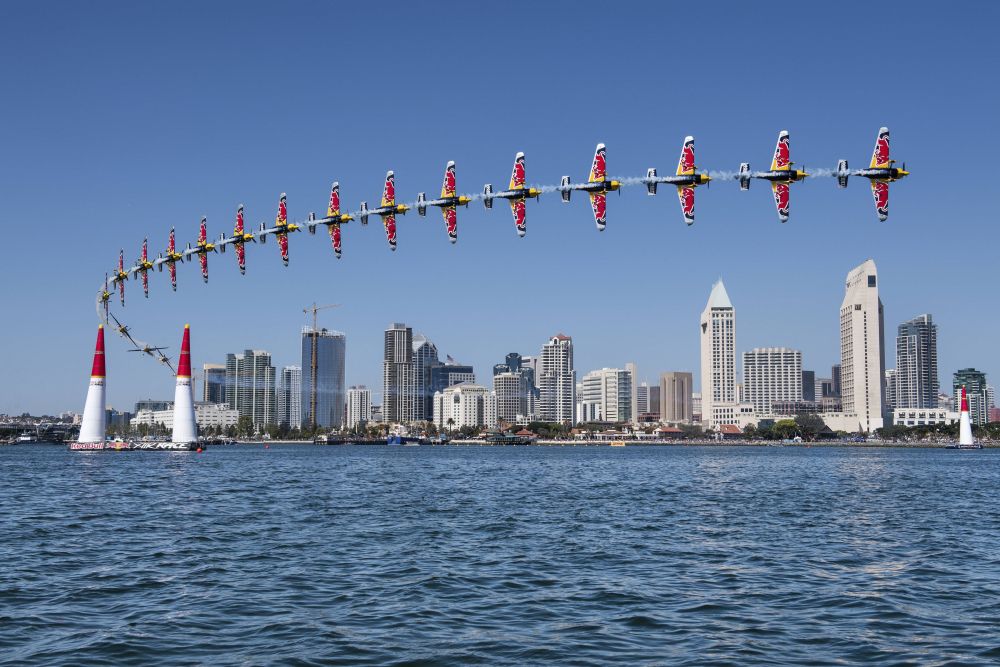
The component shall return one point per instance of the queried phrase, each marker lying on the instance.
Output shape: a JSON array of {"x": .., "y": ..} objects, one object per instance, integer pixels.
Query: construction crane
[{"x": 314, "y": 309}]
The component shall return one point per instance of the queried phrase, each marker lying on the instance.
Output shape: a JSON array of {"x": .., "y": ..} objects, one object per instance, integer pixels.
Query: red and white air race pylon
[
  {"x": 93, "y": 426},
  {"x": 964, "y": 424},
  {"x": 185, "y": 433}
]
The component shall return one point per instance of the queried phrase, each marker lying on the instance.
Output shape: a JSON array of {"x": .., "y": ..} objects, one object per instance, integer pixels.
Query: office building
[
  {"x": 771, "y": 375},
  {"x": 718, "y": 354},
  {"x": 213, "y": 388},
  {"x": 449, "y": 374},
  {"x": 916, "y": 364},
  {"x": 676, "y": 397},
  {"x": 289, "y": 397},
  {"x": 462, "y": 405},
  {"x": 399, "y": 381},
  {"x": 605, "y": 395},
  {"x": 862, "y": 349},
  {"x": 425, "y": 357},
  {"x": 557, "y": 381},
  {"x": 359, "y": 406},
  {"x": 249, "y": 386},
  {"x": 809, "y": 386},
  {"x": 327, "y": 374},
  {"x": 975, "y": 389},
  {"x": 890, "y": 389}
]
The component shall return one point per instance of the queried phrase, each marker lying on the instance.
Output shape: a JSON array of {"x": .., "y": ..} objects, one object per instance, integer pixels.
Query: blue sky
[{"x": 123, "y": 119}]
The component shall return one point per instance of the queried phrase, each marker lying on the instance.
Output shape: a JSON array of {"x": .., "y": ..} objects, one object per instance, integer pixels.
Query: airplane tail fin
[
  {"x": 488, "y": 196},
  {"x": 312, "y": 218},
  {"x": 364, "y": 213},
  {"x": 564, "y": 189},
  {"x": 221, "y": 245},
  {"x": 263, "y": 236},
  {"x": 422, "y": 203},
  {"x": 842, "y": 173},
  {"x": 651, "y": 181},
  {"x": 744, "y": 175}
]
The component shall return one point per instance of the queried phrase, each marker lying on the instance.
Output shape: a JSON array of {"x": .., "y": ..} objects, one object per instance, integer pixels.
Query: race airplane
[
  {"x": 448, "y": 203},
  {"x": 333, "y": 220},
  {"x": 880, "y": 172},
  {"x": 105, "y": 297},
  {"x": 202, "y": 248},
  {"x": 387, "y": 210},
  {"x": 686, "y": 179},
  {"x": 239, "y": 239},
  {"x": 171, "y": 259},
  {"x": 148, "y": 349},
  {"x": 597, "y": 186},
  {"x": 143, "y": 265},
  {"x": 124, "y": 331},
  {"x": 781, "y": 175},
  {"x": 120, "y": 276},
  {"x": 281, "y": 229},
  {"x": 516, "y": 193}
]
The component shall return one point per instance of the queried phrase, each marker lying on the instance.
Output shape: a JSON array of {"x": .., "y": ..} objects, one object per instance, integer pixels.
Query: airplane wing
[
  {"x": 450, "y": 215},
  {"x": 173, "y": 275},
  {"x": 204, "y": 266},
  {"x": 335, "y": 238},
  {"x": 880, "y": 193},
  {"x": 449, "y": 187},
  {"x": 145, "y": 283},
  {"x": 782, "y": 154},
  {"x": 517, "y": 177},
  {"x": 685, "y": 165},
  {"x": 389, "y": 191},
  {"x": 283, "y": 244},
  {"x": 333, "y": 209},
  {"x": 518, "y": 209},
  {"x": 281, "y": 219},
  {"x": 685, "y": 193},
  {"x": 598, "y": 202},
  {"x": 781, "y": 199},
  {"x": 241, "y": 257},
  {"x": 880, "y": 156},
  {"x": 598, "y": 170},
  {"x": 390, "y": 226}
]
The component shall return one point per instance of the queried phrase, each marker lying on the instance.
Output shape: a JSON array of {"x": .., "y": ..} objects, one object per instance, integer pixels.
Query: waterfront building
[
  {"x": 289, "y": 397},
  {"x": 448, "y": 374},
  {"x": 605, "y": 395},
  {"x": 696, "y": 411},
  {"x": 527, "y": 368},
  {"x": 916, "y": 364},
  {"x": 206, "y": 415},
  {"x": 676, "y": 397},
  {"x": 824, "y": 388},
  {"x": 462, "y": 405},
  {"x": 425, "y": 357},
  {"x": 399, "y": 382},
  {"x": 772, "y": 374},
  {"x": 152, "y": 406},
  {"x": 557, "y": 381},
  {"x": 809, "y": 386},
  {"x": 923, "y": 416},
  {"x": 511, "y": 401},
  {"x": 642, "y": 398},
  {"x": 835, "y": 379},
  {"x": 654, "y": 401},
  {"x": 633, "y": 409},
  {"x": 377, "y": 416},
  {"x": 213, "y": 388},
  {"x": 890, "y": 389},
  {"x": 328, "y": 375},
  {"x": 862, "y": 349},
  {"x": 975, "y": 389},
  {"x": 718, "y": 353},
  {"x": 250, "y": 386},
  {"x": 359, "y": 406}
]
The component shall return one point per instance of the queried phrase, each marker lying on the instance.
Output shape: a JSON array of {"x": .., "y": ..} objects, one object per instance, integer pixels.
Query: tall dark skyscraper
[
  {"x": 425, "y": 356},
  {"x": 331, "y": 354},
  {"x": 398, "y": 375},
  {"x": 916, "y": 364},
  {"x": 808, "y": 385},
  {"x": 835, "y": 376},
  {"x": 214, "y": 379}
]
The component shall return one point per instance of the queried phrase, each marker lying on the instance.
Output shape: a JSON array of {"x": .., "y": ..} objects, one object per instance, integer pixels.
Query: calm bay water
[{"x": 452, "y": 555}]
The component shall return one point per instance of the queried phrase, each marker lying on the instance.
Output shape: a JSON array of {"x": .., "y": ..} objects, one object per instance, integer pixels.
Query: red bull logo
[
  {"x": 520, "y": 213},
  {"x": 881, "y": 155},
  {"x": 450, "y": 184},
  {"x": 173, "y": 275},
  {"x": 390, "y": 230},
  {"x": 170, "y": 243},
  {"x": 451, "y": 222},
  {"x": 204, "y": 266},
  {"x": 517, "y": 177},
  {"x": 334, "y": 208},
  {"x": 599, "y": 203},
  {"x": 781, "y": 198},
  {"x": 687, "y": 157},
  {"x": 145, "y": 256},
  {"x": 781, "y": 153},
  {"x": 389, "y": 195},
  {"x": 282, "y": 218},
  {"x": 880, "y": 191},
  {"x": 239, "y": 221},
  {"x": 335, "y": 237},
  {"x": 687, "y": 203},
  {"x": 283, "y": 243},
  {"x": 600, "y": 170},
  {"x": 203, "y": 233},
  {"x": 241, "y": 256}
]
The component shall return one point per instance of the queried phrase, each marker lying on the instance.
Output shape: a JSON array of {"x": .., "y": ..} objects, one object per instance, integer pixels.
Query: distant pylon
[
  {"x": 93, "y": 426},
  {"x": 185, "y": 431}
]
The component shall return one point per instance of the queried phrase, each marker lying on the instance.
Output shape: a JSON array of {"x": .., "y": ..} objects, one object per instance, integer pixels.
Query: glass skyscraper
[{"x": 331, "y": 353}]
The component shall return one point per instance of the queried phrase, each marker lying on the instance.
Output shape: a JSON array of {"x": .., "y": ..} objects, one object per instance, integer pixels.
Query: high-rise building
[
  {"x": 916, "y": 363},
  {"x": 448, "y": 374},
  {"x": 425, "y": 357},
  {"x": 891, "y": 378},
  {"x": 526, "y": 368},
  {"x": 642, "y": 398},
  {"x": 718, "y": 353},
  {"x": 509, "y": 390},
  {"x": 290, "y": 397},
  {"x": 862, "y": 349},
  {"x": 975, "y": 389},
  {"x": 809, "y": 386},
  {"x": 605, "y": 395},
  {"x": 359, "y": 406},
  {"x": 462, "y": 405},
  {"x": 331, "y": 359},
  {"x": 399, "y": 382},
  {"x": 213, "y": 388},
  {"x": 654, "y": 400},
  {"x": 835, "y": 379},
  {"x": 250, "y": 386},
  {"x": 772, "y": 375},
  {"x": 633, "y": 392},
  {"x": 676, "y": 397},
  {"x": 557, "y": 381}
]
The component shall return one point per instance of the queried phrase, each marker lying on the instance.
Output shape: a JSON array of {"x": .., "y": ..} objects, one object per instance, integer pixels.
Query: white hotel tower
[
  {"x": 862, "y": 349},
  {"x": 718, "y": 353}
]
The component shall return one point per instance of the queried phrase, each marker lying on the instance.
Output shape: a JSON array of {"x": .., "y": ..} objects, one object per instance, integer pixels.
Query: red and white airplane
[
  {"x": 202, "y": 248},
  {"x": 449, "y": 202},
  {"x": 781, "y": 175},
  {"x": 388, "y": 210},
  {"x": 597, "y": 186},
  {"x": 333, "y": 220},
  {"x": 516, "y": 194},
  {"x": 281, "y": 229},
  {"x": 143, "y": 265},
  {"x": 120, "y": 276},
  {"x": 881, "y": 172},
  {"x": 170, "y": 259},
  {"x": 686, "y": 179},
  {"x": 239, "y": 239}
]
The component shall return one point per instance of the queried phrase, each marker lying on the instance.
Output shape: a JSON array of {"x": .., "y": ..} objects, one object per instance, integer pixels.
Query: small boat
[
  {"x": 26, "y": 438},
  {"x": 617, "y": 443}
]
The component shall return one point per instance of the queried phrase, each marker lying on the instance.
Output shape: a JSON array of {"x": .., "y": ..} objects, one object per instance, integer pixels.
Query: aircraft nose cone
[{"x": 521, "y": 233}]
